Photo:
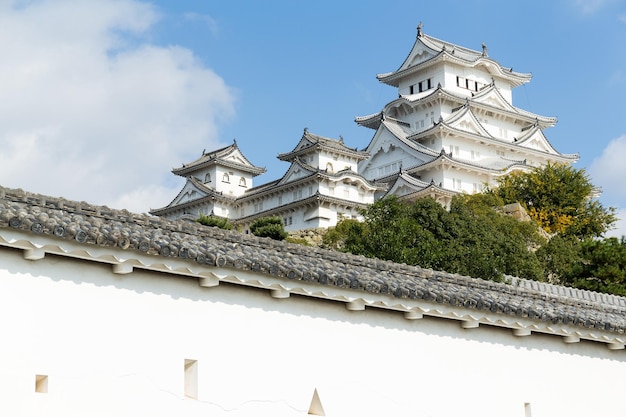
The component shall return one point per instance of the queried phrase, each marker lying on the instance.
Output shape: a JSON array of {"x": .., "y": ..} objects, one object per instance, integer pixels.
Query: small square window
[{"x": 41, "y": 383}]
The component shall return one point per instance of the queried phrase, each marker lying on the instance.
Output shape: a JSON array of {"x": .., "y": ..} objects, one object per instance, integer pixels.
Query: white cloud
[
  {"x": 609, "y": 170},
  {"x": 91, "y": 111}
]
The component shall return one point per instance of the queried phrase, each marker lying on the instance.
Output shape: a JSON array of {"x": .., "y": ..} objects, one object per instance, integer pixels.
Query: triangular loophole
[{"x": 316, "y": 409}]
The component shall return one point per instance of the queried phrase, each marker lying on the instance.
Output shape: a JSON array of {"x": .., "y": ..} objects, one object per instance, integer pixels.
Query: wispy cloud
[
  {"x": 83, "y": 118},
  {"x": 591, "y": 6},
  {"x": 205, "y": 19}
]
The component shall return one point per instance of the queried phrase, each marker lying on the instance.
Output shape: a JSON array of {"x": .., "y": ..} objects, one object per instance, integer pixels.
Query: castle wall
[{"x": 116, "y": 344}]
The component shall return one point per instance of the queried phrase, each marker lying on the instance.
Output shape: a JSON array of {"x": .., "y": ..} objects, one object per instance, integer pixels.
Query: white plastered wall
[{"x": 116, "y": 345}]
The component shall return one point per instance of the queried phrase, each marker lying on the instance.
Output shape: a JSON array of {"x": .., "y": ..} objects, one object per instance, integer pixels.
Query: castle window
[
  {"x": 225, "y": 178},
  {"x": 207, "y": 178},
  {"x": 329, "y": 167},
  {"x": 411, "y": 89},
  {"x": 242, "y": 182},
  {"x": 421, "y": 88},
  {"x": 430, "y": 84}
]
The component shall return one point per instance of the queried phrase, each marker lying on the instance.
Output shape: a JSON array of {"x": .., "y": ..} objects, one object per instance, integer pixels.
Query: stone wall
[{"x": 312, "y": 237}]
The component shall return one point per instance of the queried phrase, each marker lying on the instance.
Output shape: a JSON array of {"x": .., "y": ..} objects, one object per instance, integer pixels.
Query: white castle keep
[{"x": 452, "y": 129}]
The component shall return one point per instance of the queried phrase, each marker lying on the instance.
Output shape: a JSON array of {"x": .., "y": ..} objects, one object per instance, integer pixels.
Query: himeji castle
[{"x": 452, "y": 129}]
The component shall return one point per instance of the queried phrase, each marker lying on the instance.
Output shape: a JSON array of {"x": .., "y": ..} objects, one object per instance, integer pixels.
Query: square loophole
[{"x": 41, "y": 383}]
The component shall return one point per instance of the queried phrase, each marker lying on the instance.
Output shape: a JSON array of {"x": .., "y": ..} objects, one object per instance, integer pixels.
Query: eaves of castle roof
[
  {"x": 310, "y": 141},
  {"x": 314, "y": 200},
  {"x": 372, "y": 121}
]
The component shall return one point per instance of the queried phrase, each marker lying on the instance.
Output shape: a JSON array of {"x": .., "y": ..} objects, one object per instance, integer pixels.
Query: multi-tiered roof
[{"x": 453, "y": 124}]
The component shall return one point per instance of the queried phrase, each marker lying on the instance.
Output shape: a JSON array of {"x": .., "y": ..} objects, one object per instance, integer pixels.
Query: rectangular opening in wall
[
  {"x": 191, "y": 378},
  {"x": 527, "y": 411},
  {"x": 41, "y": 383}
]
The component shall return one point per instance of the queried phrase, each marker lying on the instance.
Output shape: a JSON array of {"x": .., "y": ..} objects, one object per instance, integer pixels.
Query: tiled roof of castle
[
  {"x": 34, "y": 215},
  {"x": 219, "y": 157},
  {"x": 310, "y": 141}
]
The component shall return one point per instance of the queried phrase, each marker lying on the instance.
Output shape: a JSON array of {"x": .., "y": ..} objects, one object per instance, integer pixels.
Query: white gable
[
  {"x": 237, "y": 157},
  {"x": 537, "y": 141},
  {"x": 466, "y": 121},
  {"x": 189, "y": 192},
  {"x": 493, "y": 98},
  {"x": 295, "y": 172}
]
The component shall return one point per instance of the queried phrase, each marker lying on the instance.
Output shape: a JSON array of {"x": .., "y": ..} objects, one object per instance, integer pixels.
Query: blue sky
[{"x": 102, "y": 98}]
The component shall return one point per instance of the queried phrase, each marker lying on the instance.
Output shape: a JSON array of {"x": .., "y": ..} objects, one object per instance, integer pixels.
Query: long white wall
[{"x": 116, "y": 345}]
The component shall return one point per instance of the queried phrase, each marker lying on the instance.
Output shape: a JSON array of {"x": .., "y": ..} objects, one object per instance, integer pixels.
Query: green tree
[
  {"x": 601, "y": 266},
  {"x": 271, "y": 227},
  {"x": 488, "y": 243},
  {"x": 215, "y": 221},
  {"x": 558, "y": 256},
  {"x": 560, "y": 198},
  {"x": 473, "y": 238}
]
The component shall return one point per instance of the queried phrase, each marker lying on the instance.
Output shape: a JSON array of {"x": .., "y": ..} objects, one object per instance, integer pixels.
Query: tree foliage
[
  {"x": 215, "y": 221},
  {"x": 471, "y": 239},
  {"x": 475, "y": 238},
  {"x": 271, "y": 227},
  {"x": 600, "y": 266},
  {"x": 560, "y": 198}
]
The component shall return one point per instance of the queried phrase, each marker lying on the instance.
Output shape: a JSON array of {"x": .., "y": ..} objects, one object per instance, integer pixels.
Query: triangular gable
[
  {"x": 385, "y": 141},
  {"x": 419, "y": 53},
  {"x": 465, "y": 120},
  {"x": 305, "y": 142},
  {"x": 535, "y": 139},
  {"x": 237, "y": 157},
  {"x": 190, "y": 191},
  {"x": 296, "y": 171},
  {"x": 491, "y": 96},
  {"x": 406, "y": 184}
]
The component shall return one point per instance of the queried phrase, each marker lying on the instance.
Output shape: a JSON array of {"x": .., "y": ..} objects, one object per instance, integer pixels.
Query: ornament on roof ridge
[
  {"x": 419, "y": 29},
  {"x": 484, "y": 49},
  {"x": 306, "y": 130}
]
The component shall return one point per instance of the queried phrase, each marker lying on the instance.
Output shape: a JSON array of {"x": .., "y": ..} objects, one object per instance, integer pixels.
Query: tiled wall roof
[{"x": 98, "y": 225}]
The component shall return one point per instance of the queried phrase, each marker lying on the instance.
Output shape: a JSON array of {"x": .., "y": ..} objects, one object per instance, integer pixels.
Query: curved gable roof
[
  {"x": 191, "y": 185},
  {"x": 534, "y": 139},
  {"x": 427, "y": 50},
  {"x": 310, "y": 142},
  {"x": 230, "y": 156}
]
